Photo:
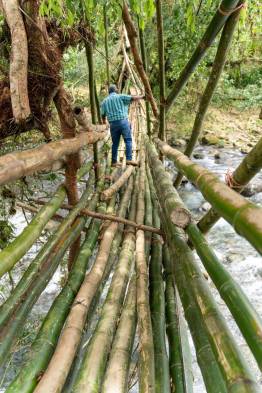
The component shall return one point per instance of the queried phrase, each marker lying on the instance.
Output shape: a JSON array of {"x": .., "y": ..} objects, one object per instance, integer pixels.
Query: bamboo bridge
[{"x": 138, "y": 237}]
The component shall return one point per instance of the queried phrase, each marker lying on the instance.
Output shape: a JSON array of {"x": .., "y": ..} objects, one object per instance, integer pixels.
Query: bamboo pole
[
  {"x": 106, "y": 43},
  {"x": 245, "y": 216},
  {"x": 11, "y": 331},
  {"x": 105, "y": 216},
  {"x": 132, "y": 35},
  {"x": 234, "y": 370},
  {"x": 144, "y": 60},
  {"x": 157, "y": 309},
  {"x": 148, "y": 218},
  {"x": 22, "y": 243},
  {"x": 225, "y": 9},
  {"x": 217, "y": 68},
  {"x": 179, "y": 350},
  {"x": 31, "y": 274},
  {"x": 107, "y": 194},
  {"x": 116, "y": 376},
  {"x": 146, "y": 370},
  {"x": 161, "y": 71},
  {"x": 53, "y": 323},
  {"x": 59, "y": 366},
  {"x": 18, "y": 61},
  {"x": 112, "y": 258},
  {"x": 242, "y": 175},
  {"x": 91, "y": 79},
  {"x": 94, "y": 363},
  {"x": 13, "y": 166},
  {"x": 246, "y": 317}
]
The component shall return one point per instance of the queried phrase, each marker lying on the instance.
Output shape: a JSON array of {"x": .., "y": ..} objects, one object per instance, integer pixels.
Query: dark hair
[{"x": 112, "y": 89}]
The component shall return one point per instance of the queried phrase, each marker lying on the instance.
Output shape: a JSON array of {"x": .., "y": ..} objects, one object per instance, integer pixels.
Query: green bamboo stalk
[
  {"x": 233, "y": 368},
  {"x": 10, "y": 333},
  {"x": 144, "y": 61},
  {"x": 148, "y": 218},
  {"x": 157, "y": 309},
  {"x": 51, "y": 327},
  {"x": 161, "y": 71},
  {"x": 116, "y": 376},
  {"x": 245, "y": 315},
  {"x": 146, "y": 355},
  {"x": 243, "y": 215},
  {"x": 217, "y": 68},
  {"x": 92, "y": 372},
  {"x": 179, "y": 351},
  {"x": 106, "y": 42},
  {"x": 242, "y": 175},
  {"x": 91, "y": 79},
  {"x": 114, "y": 251},
  {"x": 59, "y": 366},
  {"x": 212, "y": 30},
  {"x": 181, "y": 373},
  {"x": 32, "y": 272},
  {"x": 22, "y": 243}
]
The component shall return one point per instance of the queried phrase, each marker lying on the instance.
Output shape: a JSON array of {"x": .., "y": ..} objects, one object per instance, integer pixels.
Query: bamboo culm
[
  {"x": 217, "y": 68},
  {"x": 91, "y": 372},
  {"x": 242, "y": 175},
  {"x": 116, "y": 376},
  {"x": 233, "y": 367},
  {"x": 245, "y": 216},
  {"x": 212, "y": 30},
  {"x": 59, "y": 366}
]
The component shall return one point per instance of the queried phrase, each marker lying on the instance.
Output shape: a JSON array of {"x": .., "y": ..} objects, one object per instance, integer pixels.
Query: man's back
[{"x": 115, "y": 107}]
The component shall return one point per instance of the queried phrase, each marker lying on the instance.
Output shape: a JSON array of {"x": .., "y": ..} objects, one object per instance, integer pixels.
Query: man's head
[{"x": 112, "y": 89}]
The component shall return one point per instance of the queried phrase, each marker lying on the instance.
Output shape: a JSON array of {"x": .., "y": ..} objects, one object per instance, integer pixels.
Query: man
[{"x": 115, "y": 109}]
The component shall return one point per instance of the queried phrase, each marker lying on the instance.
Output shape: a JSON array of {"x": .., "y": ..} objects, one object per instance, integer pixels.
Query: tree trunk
[
  {"x": 106, "y": 43},
  {"x": 18, "y": 61}
]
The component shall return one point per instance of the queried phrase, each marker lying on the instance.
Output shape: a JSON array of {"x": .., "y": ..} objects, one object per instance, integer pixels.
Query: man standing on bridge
[{"x": 115, "y": 109}]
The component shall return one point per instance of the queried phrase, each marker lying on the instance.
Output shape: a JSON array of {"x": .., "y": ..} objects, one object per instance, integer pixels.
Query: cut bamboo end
[{"x": 180, "y": 217}]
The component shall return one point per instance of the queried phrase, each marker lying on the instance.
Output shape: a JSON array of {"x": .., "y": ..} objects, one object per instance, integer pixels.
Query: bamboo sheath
[
  {"x": 59, "y": 366},
  {"x": 116, "y": 376},
  {"x": 244, "y": 216},
  {"x": 179, "y": 351},
  {"x": 13, "y": 166},
  {"x": 93, "y": 366},
  {"x": 107, "y": 194},
  {"x": 47, "y": 337},
  {"x": 233, "y": 368},
  {"x": 217, "y": 68},
  {"x": 242, "y": 175},
  {"x": 146, "y": 370},
  {"x": 210, "y": 34}
]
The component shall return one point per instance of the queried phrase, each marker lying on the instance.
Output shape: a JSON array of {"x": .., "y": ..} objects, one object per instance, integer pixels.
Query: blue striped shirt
[{"x": 115, "y": 107}]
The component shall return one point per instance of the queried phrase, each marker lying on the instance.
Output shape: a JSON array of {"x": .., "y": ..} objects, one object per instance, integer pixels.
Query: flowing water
[{"x": 241, "y": 260}]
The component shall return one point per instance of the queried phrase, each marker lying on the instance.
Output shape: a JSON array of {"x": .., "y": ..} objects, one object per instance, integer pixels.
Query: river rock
[
  {"x": 177, "y": 142},
  {"x": 209, "y": 139},
  {"x": 198, "y": 155},
  {"x": 217, "y": 155},
  {"x": 205, "y": 207}
]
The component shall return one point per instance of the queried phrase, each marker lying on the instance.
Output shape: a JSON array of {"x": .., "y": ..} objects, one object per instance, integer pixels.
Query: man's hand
[
  {"x": 103, "y": 119},
  {"x": 138, "y": 98}
]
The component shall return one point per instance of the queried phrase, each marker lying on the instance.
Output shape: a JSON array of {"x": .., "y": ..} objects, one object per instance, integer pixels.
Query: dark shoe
[{"x": 115, "y": 165}]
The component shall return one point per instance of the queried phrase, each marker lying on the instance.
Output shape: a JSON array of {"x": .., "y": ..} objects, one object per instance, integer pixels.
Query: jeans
[{"x": 118, "y": 128}]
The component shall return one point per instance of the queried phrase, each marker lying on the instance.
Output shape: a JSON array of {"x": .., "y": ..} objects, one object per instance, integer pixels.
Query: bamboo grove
[{"x": 134, "y": 291}]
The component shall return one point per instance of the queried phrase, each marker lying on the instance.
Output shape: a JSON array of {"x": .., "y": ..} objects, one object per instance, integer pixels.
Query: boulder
[
  {"x": 198, "y": 155},
  {"x": 210, "y": 139}
]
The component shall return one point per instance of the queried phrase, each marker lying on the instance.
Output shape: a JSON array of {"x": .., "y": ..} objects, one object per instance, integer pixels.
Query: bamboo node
[{"x": 229, "y": 12}]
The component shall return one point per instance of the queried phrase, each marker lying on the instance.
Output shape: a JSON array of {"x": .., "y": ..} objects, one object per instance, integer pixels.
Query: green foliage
[{"x": 6, "y": 233}]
